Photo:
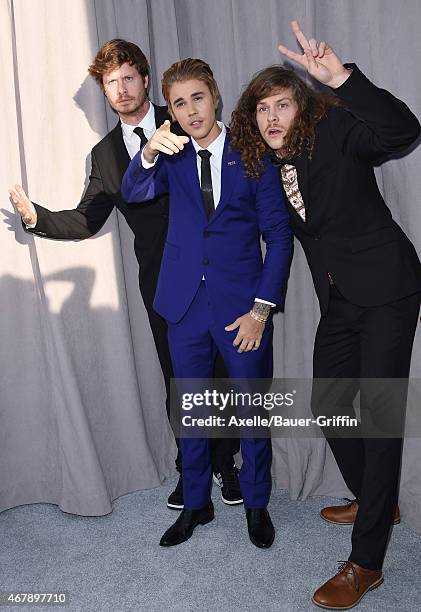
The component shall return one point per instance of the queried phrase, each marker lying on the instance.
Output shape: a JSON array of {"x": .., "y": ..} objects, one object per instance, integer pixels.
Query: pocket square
[{"x": 290, "y": 183}]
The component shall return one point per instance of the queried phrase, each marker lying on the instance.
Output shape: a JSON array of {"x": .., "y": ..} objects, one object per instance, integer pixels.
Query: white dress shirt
[{"x": 132, "y": 140}]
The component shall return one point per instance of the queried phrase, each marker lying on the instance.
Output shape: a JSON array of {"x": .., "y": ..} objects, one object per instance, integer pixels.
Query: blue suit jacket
[{"x": 226, "y": 249}]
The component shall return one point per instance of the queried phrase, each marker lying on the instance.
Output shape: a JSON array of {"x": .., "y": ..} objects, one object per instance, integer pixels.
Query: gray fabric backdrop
[{"x": 82, "y": 399}]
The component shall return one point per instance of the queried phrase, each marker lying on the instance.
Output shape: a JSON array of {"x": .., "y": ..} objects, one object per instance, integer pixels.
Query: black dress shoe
[
  {"x": 176, "y": 499},
  {"x": 184, "y": 526},
  {"x": 260, "y": 527}
]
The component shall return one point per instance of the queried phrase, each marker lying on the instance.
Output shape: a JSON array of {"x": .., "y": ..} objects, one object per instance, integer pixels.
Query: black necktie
[
  {"x": 140, "y": 133},
  {"x": 206, "y": 182}
]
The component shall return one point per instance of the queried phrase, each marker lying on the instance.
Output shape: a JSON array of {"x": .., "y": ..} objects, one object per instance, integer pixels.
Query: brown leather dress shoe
[
  {"x": 345, "y": 515},
  {"x": 346, "y": 589}
]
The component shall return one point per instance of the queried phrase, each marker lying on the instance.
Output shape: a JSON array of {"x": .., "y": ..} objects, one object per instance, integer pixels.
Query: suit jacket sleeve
[
  {"x": 274, "y": 225},
  {"x": 81, "y": 222},
  {"x": 378, "y": 124},
  {"x": 140, "y": 184}
]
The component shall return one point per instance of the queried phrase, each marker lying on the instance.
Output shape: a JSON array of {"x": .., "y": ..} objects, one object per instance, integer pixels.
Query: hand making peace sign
[{"x": 319, "y": 59}]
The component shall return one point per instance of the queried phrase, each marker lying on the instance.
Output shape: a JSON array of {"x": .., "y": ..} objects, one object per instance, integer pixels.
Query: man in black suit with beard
[
  {"x": 366, "y": 274},
  {"x": 122, "y": 71}
]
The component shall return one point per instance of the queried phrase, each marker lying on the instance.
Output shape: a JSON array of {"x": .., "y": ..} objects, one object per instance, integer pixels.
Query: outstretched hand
[
  {"x": 318, "y": 58},
  {"x": 23, "y": 205}
]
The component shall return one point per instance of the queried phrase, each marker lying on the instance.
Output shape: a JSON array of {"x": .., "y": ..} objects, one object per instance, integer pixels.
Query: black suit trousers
[{"x": 357, "y": 346}]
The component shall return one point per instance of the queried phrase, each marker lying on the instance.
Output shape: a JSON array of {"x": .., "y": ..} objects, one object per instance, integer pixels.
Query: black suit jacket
[
  {"x": 349, "y": 231},
  {"x": 149, "y": 223}
]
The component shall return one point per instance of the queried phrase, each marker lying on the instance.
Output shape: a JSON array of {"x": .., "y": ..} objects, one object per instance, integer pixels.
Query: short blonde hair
[{"x": 185, "y": 70}]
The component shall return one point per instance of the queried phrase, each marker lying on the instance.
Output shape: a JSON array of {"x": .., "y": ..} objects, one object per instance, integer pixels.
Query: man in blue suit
[{"x": 214, "y": 289}]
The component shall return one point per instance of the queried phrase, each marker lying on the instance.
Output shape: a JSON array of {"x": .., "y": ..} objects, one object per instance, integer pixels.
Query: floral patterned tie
[{"x": 290, "y": 183}]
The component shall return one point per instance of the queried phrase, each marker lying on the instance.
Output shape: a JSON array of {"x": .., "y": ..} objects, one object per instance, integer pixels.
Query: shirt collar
[
  {"x": 147, "y": 123},
  {"x": 217, "y": 146},
  {"x": 278, "y": 162}
]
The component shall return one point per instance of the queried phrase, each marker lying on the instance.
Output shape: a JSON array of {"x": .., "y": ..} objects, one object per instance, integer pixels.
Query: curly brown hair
[
  {"x": 113, "y": 54},
  {"x": 312, "y": 106}
]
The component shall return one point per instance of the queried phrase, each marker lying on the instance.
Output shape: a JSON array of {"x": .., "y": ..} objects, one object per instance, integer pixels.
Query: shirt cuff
[
  {"x": 265, "y": 302},
  {"x": 146, "y": 164},
  {"x": 30, "y": 225}
]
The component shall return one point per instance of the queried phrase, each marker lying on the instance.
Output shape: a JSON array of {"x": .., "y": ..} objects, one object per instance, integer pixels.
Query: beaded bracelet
[{"x": 257, "y": 317}]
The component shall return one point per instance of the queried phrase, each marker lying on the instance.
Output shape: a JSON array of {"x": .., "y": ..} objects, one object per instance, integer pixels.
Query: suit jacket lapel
[
  {"x": 187, "y": 169},
  {"x": 230, "y": 168},
  {"x": 121, "y": 156},
  {"x": 161, "y": 114}
]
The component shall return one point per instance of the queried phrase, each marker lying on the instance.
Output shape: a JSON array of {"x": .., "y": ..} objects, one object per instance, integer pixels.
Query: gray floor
[{"x": 114, "y": 563}]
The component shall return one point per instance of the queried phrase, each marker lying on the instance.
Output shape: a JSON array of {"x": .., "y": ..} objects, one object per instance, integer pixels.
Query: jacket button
[
  {"x": 317, "y": 237},
  {"x": 205, "y": 234},
  {"x": 206, "y": 262}
]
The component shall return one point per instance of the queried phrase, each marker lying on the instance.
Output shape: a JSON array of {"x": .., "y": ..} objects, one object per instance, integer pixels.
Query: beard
[{"x": 128, "y": 109}]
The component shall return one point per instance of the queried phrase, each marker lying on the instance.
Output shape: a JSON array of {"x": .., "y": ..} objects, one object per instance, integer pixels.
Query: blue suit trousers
[{"x": 194, "y": 342}]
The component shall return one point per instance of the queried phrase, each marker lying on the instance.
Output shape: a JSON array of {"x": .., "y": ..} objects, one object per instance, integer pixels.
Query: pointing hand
[{"x": 164, "y": 141}]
